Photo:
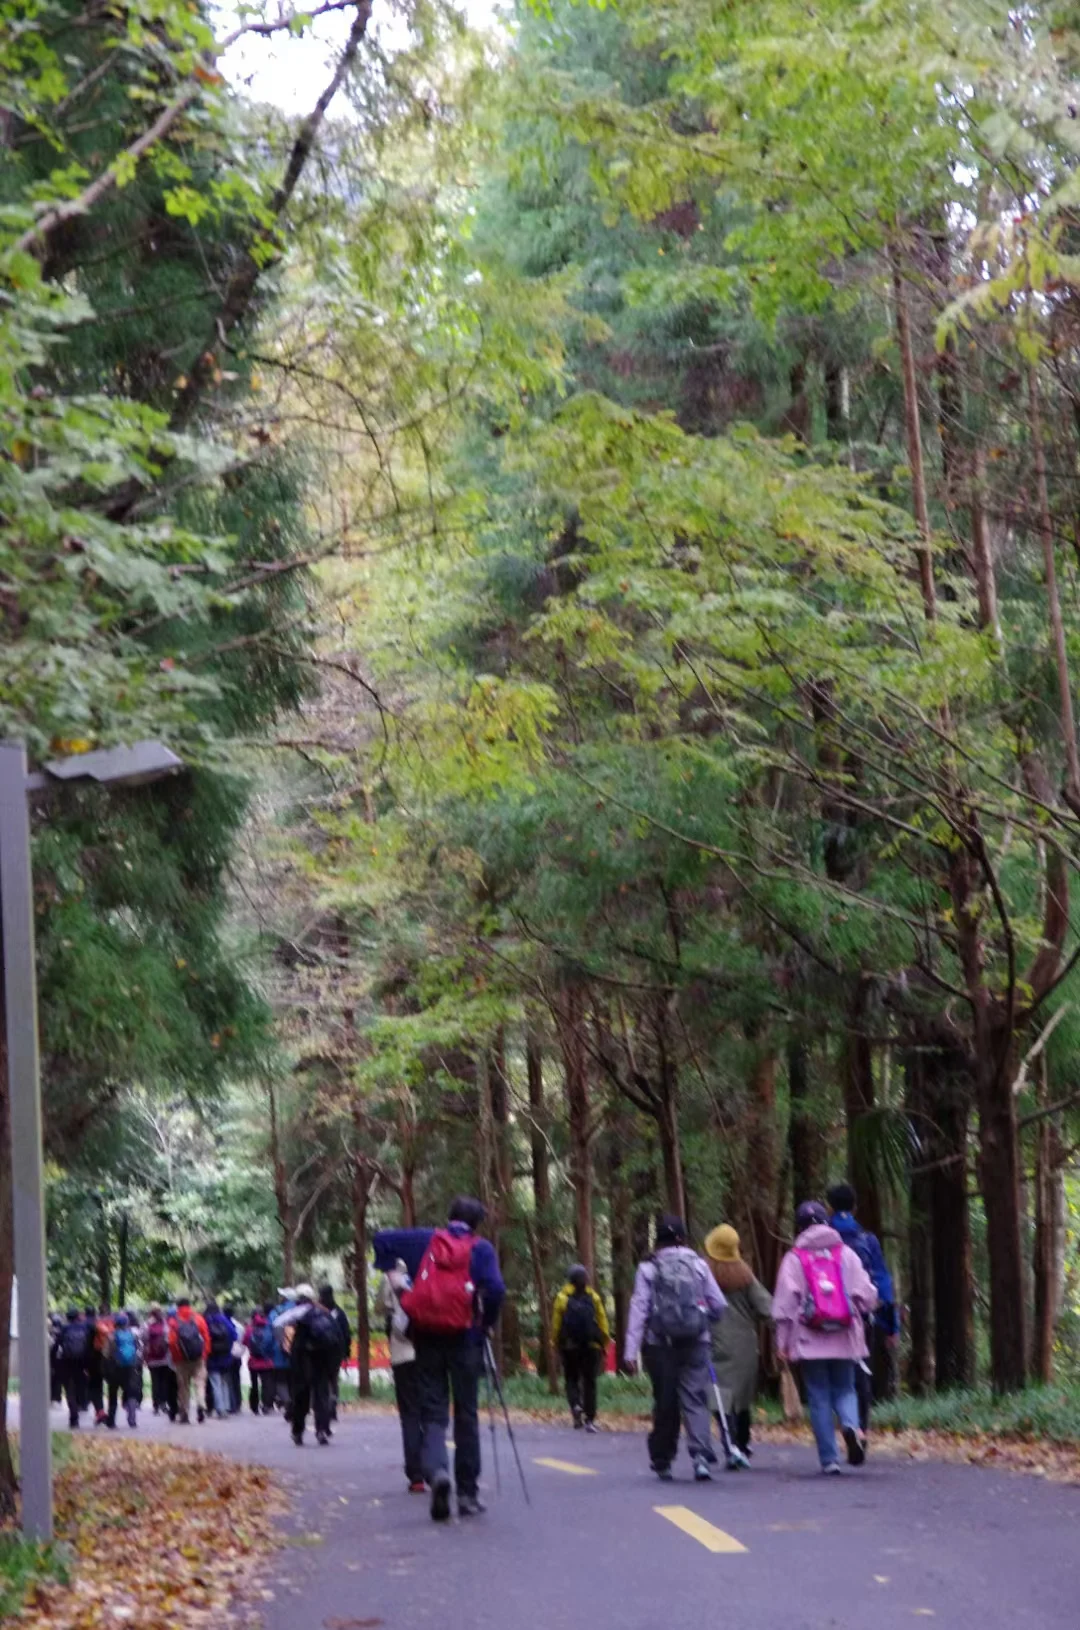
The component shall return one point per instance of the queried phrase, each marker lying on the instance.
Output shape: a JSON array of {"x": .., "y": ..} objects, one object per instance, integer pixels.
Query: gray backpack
[{"x": 678, "y": 1304}]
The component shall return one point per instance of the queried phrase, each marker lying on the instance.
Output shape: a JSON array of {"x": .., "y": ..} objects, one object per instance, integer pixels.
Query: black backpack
[
  {"x": 580, "y": 1327},
  {"x": 221, "y": 1337},
  {"x": 323, "y": 1334},
  {"x": 189, "y": 1340},
  {"x": 75, "y": 1342}
]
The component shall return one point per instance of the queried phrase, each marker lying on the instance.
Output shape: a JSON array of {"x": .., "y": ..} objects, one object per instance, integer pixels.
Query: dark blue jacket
[
  {"x": 411, "y": 1246},
  {"x": 867, "y": 1248}
]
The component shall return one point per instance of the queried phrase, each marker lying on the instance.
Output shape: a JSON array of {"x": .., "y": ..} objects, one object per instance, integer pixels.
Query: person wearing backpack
[
  {"x": 74, "y": 1344},
  {"x": 455, "y": 1296},
  {"x": 823, "y": 1293},
  {"x": 580, "y": 1334},
  {"x": 344, "y": 1328},
  {"x": 258, "y": 1338},
  {"x": 675, "y": 1301},
  {"x": 124, "y": 1371},
  {"x": 286, "y": 1304},
  {"x": 403, "y": 1367},
  {"x": 314, "y": 1359},
  {"x": 883, "y": 1325},
  {"x": 219, "y": 1362},
  {"x": 100, "y": 1363},
  {"x": 156, "y": 1358},
  {"x": 735, "y": 1340},
  {"x": 189, "y": 1347}
]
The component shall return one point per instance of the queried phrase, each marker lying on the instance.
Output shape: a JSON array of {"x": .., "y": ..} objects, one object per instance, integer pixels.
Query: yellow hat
[{"x": 723, "y": 1244}]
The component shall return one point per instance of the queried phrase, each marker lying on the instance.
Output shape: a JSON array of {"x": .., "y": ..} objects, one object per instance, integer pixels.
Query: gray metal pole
[{"x": 28, "y": 1189}]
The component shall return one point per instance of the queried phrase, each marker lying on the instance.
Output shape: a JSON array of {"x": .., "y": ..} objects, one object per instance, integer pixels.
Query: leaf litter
[{"x": 157, "y": 1538}]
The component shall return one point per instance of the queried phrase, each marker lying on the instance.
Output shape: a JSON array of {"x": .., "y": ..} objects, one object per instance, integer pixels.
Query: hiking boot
[
  {"x": 702, "y": 1471},
  {"x": 418, "y": 1486},
  {"x": 183, "y": 1420},
  {"x": 440, "y": 1497},
  {"x": 591, "y": 1426},
  {"x": 579, "y": 1421},
  {"x": 470, "y": 1505},
  {"x": 831, "y": 1470},
  {"x": 322, "y": 1439},
  {"x": 856, "y": 1446},
  {"x": 201, "y": 1416},
  {"x": 298, "y": 1439},
  {"x": 663, "y": 1473}
]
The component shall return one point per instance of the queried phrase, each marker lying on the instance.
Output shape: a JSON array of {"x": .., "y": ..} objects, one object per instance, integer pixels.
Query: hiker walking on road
[
  {"x": 344, "y": 1329},
  {"x": 580, "y": 1334},
  {"x": 156, "y": 1357},
  {"x": 675, "y": 1300},
  {"x": 124, "y": 1371},
  {"x": 286, "y": 1304},
  {"x": 258, "y": 1338},
  {"x": 314, "y": 1342},
  {"x": 735, "y": 1344},
  {"x": 406, "y": 1379},
  {"x": 883, "y": 1325},
  {"x": 822, "y": 1294},
  {"x": 189, "y": 1347},
  {"x": 73, "y": 1350},
  {"x": 457, "y": 1291},
  {"x": 223, "y": 1335}
]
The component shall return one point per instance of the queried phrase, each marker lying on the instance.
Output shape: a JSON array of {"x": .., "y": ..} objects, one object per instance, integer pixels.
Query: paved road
[{"x": 874, "y": 1550}]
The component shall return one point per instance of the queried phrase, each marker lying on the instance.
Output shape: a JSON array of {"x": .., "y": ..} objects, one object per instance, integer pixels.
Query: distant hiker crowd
[
  {"x": 694, "y": 1326},
  {"x": 194, "y": 1362}
]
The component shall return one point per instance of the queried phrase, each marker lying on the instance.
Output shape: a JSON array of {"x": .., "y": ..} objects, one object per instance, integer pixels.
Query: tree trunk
[
  {"x": 762, "y": 1154},
  {"x": 913, "y": 430},
  {"x": 999, "y": 1183},
  {"x": 806, "y": 1141},
  {"x": 621, "y": 1204},
  {"x": 503, "y": 1178},
  {"x": 361, "y": 1198},
  {"x": 576, "y": 1082},
  {"x": 125, "y": 1231},
  {"x": 8, "y": 1481},
  {"x": 282, "y": 1199},
  {"x": 1049, "y": 1251},
  {"x": 104, "y": 1259},
  {"x": 947, "y": 1104},
  {"x": 859, "y": 1098},
  {"x": 540, "y": 1228},
  {"x": 1053, "y": 600},
  {"x": 920, "y": 1374}
]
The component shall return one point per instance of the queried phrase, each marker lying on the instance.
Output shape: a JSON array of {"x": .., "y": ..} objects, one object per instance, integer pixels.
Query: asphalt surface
[{"x": 872, "y": 1550}]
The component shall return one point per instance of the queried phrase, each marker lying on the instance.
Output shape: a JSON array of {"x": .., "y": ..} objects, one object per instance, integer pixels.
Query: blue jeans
[{"x": 830, "y": 1388}]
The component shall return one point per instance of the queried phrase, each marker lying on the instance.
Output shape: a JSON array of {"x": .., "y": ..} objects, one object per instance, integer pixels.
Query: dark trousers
[
  {"x": 95, "y": 1384},
  {"x": 126, "y": 1383},
  {"x": 445, "y": 1365},
  {"x": 282, "y": 1388},
  {"x": 56, "y": 1380},
  {"x": 72, "y": 1377},
  {"x": 236, "y": 1399},
  {"x": 311, "y": 1390},
  {"x": 739, "y": 1425},
  {"x": 262, "y": 1385},
  {"x": 159, "y": 1386},
  {"x": 580, "y": 1366},
  {"x": 172, "y": 1393},
  {"x": 679, "y": 1373},
  {"x": 407, "y": 1394}
]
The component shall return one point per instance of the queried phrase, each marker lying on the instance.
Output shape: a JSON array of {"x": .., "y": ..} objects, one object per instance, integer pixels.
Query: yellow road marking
[
  {"x": 565, "y": 1466},
  {"x": 713, "y": 1539}
]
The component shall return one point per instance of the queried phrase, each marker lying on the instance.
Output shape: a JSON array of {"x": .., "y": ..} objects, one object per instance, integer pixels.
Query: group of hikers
[
  {"x": 294, "y": 1347},
  {"x": 693, "y": 1325}
]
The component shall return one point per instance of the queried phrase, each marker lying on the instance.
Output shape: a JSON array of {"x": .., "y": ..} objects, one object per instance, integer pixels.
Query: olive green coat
[{"x": 735, "y": 1338}]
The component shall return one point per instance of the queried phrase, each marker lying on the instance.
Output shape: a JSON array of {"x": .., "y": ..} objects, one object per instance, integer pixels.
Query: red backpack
[{"x": 442, "y": 1300}]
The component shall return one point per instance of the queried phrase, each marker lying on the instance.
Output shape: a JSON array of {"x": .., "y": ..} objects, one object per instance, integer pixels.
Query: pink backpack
[{"x": 825, "y": 1305}]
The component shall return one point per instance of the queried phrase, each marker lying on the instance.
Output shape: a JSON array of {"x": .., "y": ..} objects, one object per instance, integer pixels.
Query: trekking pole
[
  {"x": 509, "y": 1429},
  {"x": 735, "y": 1458},
  {"x": 491, "y": 1419}
]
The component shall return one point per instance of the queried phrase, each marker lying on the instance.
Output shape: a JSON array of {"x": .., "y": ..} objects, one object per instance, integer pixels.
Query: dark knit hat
[
  {"x": 670, "y": 1230},
  {"x": 578, "y": 1276}
]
